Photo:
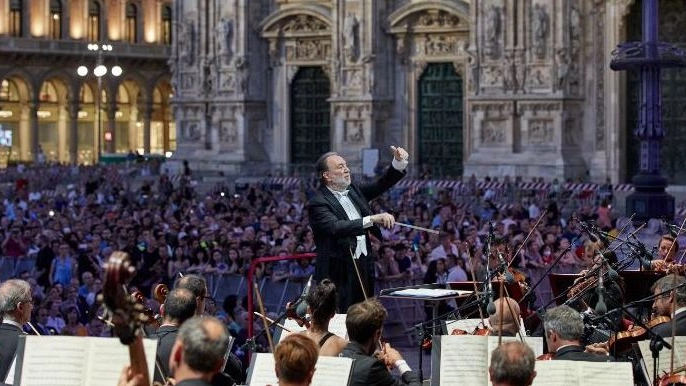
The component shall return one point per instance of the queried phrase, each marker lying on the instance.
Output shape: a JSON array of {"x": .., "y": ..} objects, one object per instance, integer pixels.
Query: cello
[{"x": 125, "y": 313}]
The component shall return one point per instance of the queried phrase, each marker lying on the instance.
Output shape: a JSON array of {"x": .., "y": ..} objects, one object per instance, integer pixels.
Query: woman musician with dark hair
[{"x": 322, "y": 304}]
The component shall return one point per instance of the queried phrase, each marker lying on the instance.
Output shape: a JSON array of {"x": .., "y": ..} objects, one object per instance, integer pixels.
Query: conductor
[{"x": 342, "y": 221}]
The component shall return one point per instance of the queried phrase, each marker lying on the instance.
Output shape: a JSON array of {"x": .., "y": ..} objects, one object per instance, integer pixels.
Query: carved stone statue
[
  {"x": 540, "y": 28},
  {"x": 350, "y": 27},
  {"x": 473, "y": 64},
  {"x": 493, "y": 24},
  {"x": 187, "y": 37},
  {"x": 519, "y": 68},
  {"x": 562, "y": 62},
  {"x": 224, "y": 36},
  {"x": 574, "y": 24}
]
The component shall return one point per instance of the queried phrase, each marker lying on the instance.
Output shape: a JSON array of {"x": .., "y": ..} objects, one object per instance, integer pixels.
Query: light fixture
[
  {"x": 82, "y": 114},
  {"x": 43, "y": 113},
  {"x": 100, "y": 70},
  {"x": 116, "y": 71},
  {"x": 6, "y": 113}
]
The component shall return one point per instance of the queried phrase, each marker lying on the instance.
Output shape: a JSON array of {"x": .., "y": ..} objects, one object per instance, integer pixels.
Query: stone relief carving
[
  {"x": 539, "y": 77},
  {"x": 303, "y": 23},
  {"x": 436, "y": 45},
  {"x": 493, "y": 30},
  {"x": 353, "y": 78},
  {"x": 224, "y": 36},
  {"x": 543, "y": 107},
  {"x": 520, "y": 71},
  {"x": 242, "y": 73},
  {"x": 437, "y": 18},
  {"x": 575, "y": 25},
  {"x": 540, "y": 132},
  {"x": 192, "y": 131},
  {"x": 308, "y": 49},
  {"x": 496, "y": 110},
  {"x": 227, "y": 131},
  {"x": 492, "y": 76},
  {"x": 354, "y": 131},
  {"x": 228, "y": 80},
  {"x": 350, "y": 30},
  {"x": 492, "y": 132},
  {"x": 509, "y": 76},
  {"x": 540, "y": 29},
  {"x": 188, "y": 81}
]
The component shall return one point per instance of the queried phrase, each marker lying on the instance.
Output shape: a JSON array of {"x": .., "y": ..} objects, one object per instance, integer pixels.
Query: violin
[
  {"x": 125, "y": 313},
  {"x": 160, "y": 293},
  {"x": 674, "y": 378},
  {"x": 150, "y": 317},
  {"x": 291, "y": 313},
  {"x": 621, "y": 342},
  {"x": 478, "y": 330}
]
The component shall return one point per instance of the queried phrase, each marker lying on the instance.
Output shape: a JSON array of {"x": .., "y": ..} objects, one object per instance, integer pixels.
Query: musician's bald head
[
  {"x": 506, "y": 318},
  {"x": 512, "y": 364}
]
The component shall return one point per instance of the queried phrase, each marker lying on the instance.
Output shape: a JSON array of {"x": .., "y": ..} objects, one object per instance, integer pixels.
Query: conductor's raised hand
[
  {"x": 400, "y": 154},
  {"x": 386, "y": 220}
]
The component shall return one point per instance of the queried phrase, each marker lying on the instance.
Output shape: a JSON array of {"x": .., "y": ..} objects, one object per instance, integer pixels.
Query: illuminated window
[
  {"x": 55, "y": 19},
  {"x": 94, "y": 21},
  {"x": 166, "y": 25},
  {"x": 131, "y": 23},
  {"x": 15, "y": 18}
]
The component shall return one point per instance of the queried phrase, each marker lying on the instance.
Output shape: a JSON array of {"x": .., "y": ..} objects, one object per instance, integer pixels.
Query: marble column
[{"x": 73, "y": 109}]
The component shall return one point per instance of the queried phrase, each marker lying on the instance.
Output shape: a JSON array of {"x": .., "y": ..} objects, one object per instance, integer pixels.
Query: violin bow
[
  {"x": 264, "y": 318},
  {"x": 680, "y": 231},
  {"x": 671, "y": 365},
  {"x": 533, "y": 228},
  {"x": 476, "y": 290},
  {"x": 515, "y": 319}
]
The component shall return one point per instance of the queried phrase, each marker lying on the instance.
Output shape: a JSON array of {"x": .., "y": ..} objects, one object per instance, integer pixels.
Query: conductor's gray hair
[{"x": 13, "y": 292}]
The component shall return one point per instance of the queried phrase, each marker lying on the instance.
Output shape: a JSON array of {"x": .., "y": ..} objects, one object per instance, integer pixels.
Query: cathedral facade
[{"x": 489, "y": 87}]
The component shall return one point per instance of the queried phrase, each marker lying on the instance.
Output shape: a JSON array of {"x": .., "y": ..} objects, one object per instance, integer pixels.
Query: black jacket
[
  {"x": 577, "y": 353},
  {"x": 665, "y": 329},
  {"x": 335, "y": 236},
  {"x": 369, "y": 371},
  {"x": 9, "y": 337}
]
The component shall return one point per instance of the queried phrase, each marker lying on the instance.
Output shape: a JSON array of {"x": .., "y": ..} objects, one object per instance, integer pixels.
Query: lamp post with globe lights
[{"x": 99, "y": 71}]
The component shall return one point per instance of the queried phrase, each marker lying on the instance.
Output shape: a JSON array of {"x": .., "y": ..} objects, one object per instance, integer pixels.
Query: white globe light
[
  {"x": 82, "y": 70},
  {"x": 116, "y": 71},
  {"x": 100, "y": 70}
]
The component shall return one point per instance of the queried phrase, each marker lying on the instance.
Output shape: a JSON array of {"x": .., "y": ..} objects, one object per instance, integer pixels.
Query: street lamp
[{"x": 99, "y": 71}]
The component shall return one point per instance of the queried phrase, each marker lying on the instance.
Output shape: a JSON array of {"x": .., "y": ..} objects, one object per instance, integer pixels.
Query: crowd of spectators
[{"x": 59, "y": 236}]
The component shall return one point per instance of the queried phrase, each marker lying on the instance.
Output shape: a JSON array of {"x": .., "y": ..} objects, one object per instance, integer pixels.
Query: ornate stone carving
[
  {"x": 540, "y": 107},
  {"x": 354, "y": 131},
  {"x": 308, "y": 50},
  {"x": 562, "y": 66},
  {"x": 437, "y": 18},
  {"x": 539, "y": 77},
  {"x": 224, "y": 37},
  {"x": 473, "y": 73},
  {"x": 540, "y": 132},
  {"x": 227, "y": 80},
  {"x": 188, "y": 81},
  {"x": 303, "y": 23},
  {"x": 187, "y": 40},
  {"x": 228, "y": 132},
  {"x": 540, "y": 29},
  {"x": 274, "y": 52},
  {"x": 419, "y": 67},
  {"x": 492, "y": 132},
  {"x": 440, "y": 45},
  {"x": 493, "y": 30},
  {"x": 353, "y": 78},
  {"x": 509, "y": 76},
  {"x": 520, "y": 71},
  {"x": 492, "y": 76},
  {"x": 191, "y": 131},
  {"x": 493, "y": 109},
  {"x": 242, "y": 73},
  {"x": 600, "y": 63},
  {"x": 350, "y": 36}
]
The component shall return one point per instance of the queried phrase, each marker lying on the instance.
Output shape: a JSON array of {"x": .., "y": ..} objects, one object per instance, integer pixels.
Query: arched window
[
  {"x": 131, "y": 23},
  {"x": 55, "y": 19},
  {"x": 93, "y": 21},
  {"x": 15, "y": 18},
  {"x": 166, "y": 25}
]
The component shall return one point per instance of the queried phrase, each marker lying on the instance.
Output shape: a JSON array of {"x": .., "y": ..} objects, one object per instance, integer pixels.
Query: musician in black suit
[
  {"x": 16, "y": 305},
  {"x": 178, "y": 307},
  {"x": 370, "y": 368},
  {"x": 673, "y": 301},
  {"x": 342, "y": 221},
  {"x": 563, "y": 330}
]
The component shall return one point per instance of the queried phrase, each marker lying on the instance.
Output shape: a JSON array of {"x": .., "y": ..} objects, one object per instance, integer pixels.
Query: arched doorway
[
  {"x": 673, "y": 159},
  {"x": 440, "y": 120},
  {"x": 310, "y": 115}
]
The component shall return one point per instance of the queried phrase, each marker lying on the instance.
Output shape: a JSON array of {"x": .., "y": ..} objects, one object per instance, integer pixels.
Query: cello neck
[{"x": 139, "y": 364}]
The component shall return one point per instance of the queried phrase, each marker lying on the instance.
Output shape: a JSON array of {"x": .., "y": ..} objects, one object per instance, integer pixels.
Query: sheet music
[
  {"x": 81, "y": 360},
  {"x": 463, "y": 360},
  {"x": 535, "y": 342},
  {"x": 330, "y": 371},
  {"x": 565, "y": 373},
  {"x": 665, "y": 360},
  {"x": 336, "y": 326},
  {"x": 430, "y": 292}
]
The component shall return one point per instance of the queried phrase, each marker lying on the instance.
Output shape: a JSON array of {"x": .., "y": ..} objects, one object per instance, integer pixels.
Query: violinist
[
  {"x": 505, "y": 321},
  {"x": 178, "y": 307},
  {"x": 667, "y": 249},
  {"x": 370, "y": 368},
  {"x": 322, "y": 305},
  {"x": 564, "y": 328},
  {"x": 666, "y": 304}
]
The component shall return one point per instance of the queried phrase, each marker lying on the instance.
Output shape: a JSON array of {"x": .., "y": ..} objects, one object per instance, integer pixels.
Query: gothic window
[
  {"x": 440, "y": 118},
  {"x": 131, "y": 29},
  {"x": 310, "y": 116},
  {"x": 166, "y": 25},
  {"x": 55, "y": 19},
  {"x": 16, "y": 10},
  {"x": 94, "y": 15}
]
